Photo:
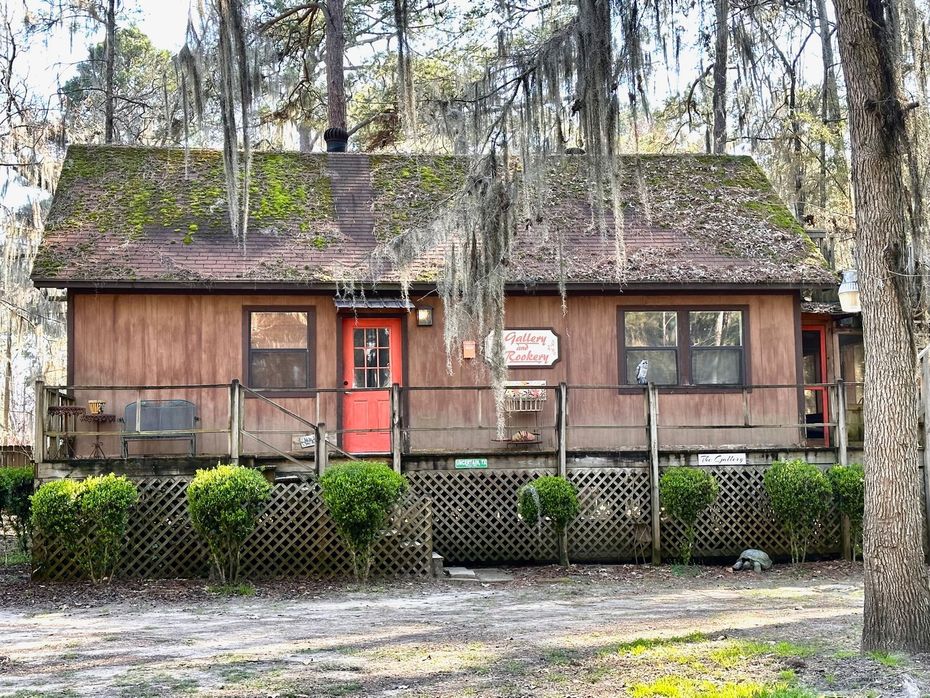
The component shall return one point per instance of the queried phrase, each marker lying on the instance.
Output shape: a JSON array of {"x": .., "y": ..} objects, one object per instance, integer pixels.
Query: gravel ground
[{"x": 587, "y": 631}]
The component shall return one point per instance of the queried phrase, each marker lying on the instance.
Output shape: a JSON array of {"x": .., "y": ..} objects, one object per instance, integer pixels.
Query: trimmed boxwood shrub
[
  {"x": 88, "y": 517},
  {"x": 224, "y": 504},
  {"x": 360, "y": 496},
  {"x": 15, "y": 504},
  {"x": 554, "y": 498},
  {"x": 800, "y": 495},
  {"x": 848, "y": 483},
  {"x": 684, "y": 493}
]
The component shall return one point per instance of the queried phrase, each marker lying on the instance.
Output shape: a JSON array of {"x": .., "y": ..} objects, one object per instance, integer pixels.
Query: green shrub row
[
  {"x": 89, "y": 517},
  {"x": 15, "y": 504},
  {"x": 800, "y": 495}
]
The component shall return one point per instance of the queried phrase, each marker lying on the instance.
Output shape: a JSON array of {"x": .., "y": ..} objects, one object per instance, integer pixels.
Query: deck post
[
  {"x": 562, "y": 426},
  {"x": 138, "y": 424},
  {"x": 396, "y": 445},
  {"x": 842, "y": 433},
  {"x": 652, "y": 410},
  {"x": 842, "y": 457},
  {"x": 234, "y": 423},
  {"x": 320, "y": 453},
  {"x": 38, "y": 446}
]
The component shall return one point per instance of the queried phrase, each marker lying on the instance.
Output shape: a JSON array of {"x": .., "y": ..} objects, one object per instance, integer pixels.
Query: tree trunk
[
  {"x": 109, "y": 60},
  {"x": 829, "y": 107},
  {"x": 722, "y": 8},
  {"x": 7, "y": 430},
  {"x": 305, "y": 133},
  {"x": 797, "y": 158},
  {"x": 335, "y": 55},
  {"x": 897, "y": 595}
]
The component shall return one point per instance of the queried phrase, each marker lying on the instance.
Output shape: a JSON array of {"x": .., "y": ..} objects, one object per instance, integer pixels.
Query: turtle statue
[{"x": 754, "y": 560}]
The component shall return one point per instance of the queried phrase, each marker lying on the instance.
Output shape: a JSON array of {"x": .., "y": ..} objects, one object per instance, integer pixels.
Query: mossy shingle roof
[{"x": 157, "y": 216}]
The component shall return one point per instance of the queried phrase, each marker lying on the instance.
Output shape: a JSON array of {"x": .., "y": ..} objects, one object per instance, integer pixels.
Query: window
[
  {"x": 280, "y": 349},
  {"x": 716, "y": 338},
  {"x": 652, "y": 336},
  {"x": 702, "y": 347}
]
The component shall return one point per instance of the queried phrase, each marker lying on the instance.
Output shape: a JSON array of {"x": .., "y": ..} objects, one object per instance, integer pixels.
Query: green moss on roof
[
  {"x": 410, "y": 190},
  {"x": 125, "y": 192}
]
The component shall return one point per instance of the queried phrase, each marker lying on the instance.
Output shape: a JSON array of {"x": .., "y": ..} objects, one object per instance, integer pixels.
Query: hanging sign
[
  {"x": 526, "y": 348},
  {"x": 722, "y": 459}
]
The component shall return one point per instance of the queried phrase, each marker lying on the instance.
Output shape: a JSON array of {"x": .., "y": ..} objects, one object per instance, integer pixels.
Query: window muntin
[
  {"x": 371, "y": 351},
  {"x": 716, "y": 347},
  {"x": 279, "y": 350},
  {"x": 652, "y": 336},
  {"x": 699, "y": 347}
]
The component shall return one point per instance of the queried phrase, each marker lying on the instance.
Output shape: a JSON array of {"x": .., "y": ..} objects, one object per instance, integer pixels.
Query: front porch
[
  {"x": 439, "y": 427},
  {"x": 464, "y": 471}
]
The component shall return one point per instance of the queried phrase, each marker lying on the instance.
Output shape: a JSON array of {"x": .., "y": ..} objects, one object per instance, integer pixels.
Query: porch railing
[{"x": 236, "y": 421}]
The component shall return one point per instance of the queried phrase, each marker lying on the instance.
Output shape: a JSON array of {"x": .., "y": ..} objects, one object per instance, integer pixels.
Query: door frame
[
  {"x": 824, "y": 378},
  {"x": 343, "y": 315}
]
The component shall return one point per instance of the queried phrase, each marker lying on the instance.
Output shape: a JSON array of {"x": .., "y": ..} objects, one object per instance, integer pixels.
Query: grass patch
[
  {"x": 132, "y": 685},
  {"x": 680, "y": 687},
  {"x": 686, "y": 570},
  {"x": 560, "y": 656},
  {"x": 886, "y": 659},
  {"x": 14, "y": 558},
  {"x": 232, "y": 590},
  {"x": 643, "y": 645},
  {"x": 733, "y": 653}
]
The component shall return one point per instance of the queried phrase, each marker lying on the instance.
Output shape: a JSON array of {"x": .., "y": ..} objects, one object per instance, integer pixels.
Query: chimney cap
[{"x": 337, "y": 138}]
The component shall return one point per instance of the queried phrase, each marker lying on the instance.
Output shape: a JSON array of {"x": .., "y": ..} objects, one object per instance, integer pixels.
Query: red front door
[{"x": 371, "y": 364}]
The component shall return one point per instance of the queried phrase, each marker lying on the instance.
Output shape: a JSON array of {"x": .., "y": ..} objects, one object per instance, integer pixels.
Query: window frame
[
  {"x": 683, "y": 348},
  {"x": 310, "y": 310}
]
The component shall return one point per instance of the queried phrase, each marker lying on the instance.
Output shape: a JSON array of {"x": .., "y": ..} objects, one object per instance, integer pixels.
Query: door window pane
[
  {"x": 716, "y": 328},
  {"x": 372, "y": 357},
  {"x": 651, "y": 328},
  {"x": 278, "y": 330},
  {"x": 279, "y": 369},
  {"x": 720, "y": 366},
  {"x": 661, "y": 366}
]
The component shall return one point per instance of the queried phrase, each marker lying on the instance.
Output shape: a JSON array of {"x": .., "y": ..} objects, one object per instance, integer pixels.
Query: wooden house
[{"x": 163, "y": 304}]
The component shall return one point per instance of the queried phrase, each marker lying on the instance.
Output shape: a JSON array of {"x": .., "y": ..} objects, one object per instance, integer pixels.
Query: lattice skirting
[
  {"x": 475, "y": 517},
  {"x": 294, "y": 537}
]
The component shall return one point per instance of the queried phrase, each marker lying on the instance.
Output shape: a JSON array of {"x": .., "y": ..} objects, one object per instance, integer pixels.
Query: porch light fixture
[
  {"x": 469, "y": 349},
  {"x": 849, "y": 292},
  {"x": 425, "y": 316}
]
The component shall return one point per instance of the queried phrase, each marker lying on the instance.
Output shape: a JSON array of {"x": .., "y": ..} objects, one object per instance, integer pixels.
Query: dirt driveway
[{"x": 595, "y": 631}]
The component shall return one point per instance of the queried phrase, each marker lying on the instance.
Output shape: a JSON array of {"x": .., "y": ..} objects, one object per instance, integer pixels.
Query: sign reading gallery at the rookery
[
  {"x": 722, "y": 459},
  {"x": 525, "y": 348}
]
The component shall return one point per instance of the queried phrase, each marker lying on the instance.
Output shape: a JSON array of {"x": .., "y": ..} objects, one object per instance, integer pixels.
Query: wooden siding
[{"x": 165, "y": 339}]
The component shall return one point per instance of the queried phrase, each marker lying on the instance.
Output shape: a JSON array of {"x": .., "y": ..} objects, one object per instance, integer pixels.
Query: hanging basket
[{"x": 524, "y": 399}]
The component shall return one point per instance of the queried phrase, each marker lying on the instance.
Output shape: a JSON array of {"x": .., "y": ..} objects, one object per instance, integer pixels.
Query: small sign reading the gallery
[{"x": 722, "y": 459}]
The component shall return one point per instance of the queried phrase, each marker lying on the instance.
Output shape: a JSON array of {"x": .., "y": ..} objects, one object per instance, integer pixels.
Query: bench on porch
[{"x": 160, "y": 416}]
